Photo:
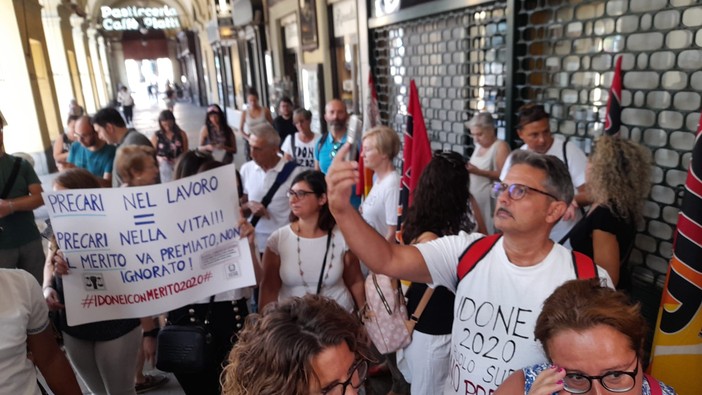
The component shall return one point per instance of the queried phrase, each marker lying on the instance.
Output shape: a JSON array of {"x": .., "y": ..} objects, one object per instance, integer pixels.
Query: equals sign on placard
[{"x": 144, "y": 219}]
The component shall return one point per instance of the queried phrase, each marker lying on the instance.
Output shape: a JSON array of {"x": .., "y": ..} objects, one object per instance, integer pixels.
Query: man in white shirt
[
  {"x": 257, "y": 177},
  {"x": 534, "y": 129},
  {"x": 498, "y": 301}
]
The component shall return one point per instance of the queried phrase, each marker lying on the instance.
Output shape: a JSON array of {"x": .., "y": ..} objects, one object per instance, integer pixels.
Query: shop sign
[
  {"x": 136, "y": 18},
  {"x": 344, "y": 18}
]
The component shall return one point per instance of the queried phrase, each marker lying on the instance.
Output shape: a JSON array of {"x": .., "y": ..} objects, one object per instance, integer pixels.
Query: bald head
[{"x": 85, "y": 133}]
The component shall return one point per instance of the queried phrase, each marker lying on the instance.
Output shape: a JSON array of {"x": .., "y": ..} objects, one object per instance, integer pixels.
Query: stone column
[
  {"x": 79, "y": 41},
  {"x": 104, "y": 64},
  {"x": 52, "y": 13},
  {"x": 97, "y": 68},
  {"x": 118, "y": 67}
]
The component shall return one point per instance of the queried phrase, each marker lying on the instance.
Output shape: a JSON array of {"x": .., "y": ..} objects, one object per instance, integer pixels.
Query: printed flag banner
[
  {"x": 141, "y": 251},
  {"x": 416, "y": 154},
  {"x": 371, "y": 119},
  {"x": 677, "y": 343},
  {"x": 613, "y": 119}
]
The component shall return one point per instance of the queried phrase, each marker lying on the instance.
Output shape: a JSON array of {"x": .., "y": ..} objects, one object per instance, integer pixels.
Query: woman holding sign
[
  {"x": 310, "y": 256},
  {"x": 104, "y": 354},
  {"x": 225, "y": 312}
]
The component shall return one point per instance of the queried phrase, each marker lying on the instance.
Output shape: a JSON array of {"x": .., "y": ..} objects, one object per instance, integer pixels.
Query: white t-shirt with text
[
  {"x": 495, "y": 309},
  {"x": 304, "y": 152}
]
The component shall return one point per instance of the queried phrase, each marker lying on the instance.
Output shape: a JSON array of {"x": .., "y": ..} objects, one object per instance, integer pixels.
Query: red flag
[
  {"x": 416, "y": 155},
  {"x": 677, "y": 344},
  {"x": 613, "y": 119},
  {"x": 371, "y": 119}
]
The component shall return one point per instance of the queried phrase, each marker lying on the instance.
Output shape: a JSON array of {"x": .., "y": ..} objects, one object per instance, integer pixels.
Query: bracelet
[
  {"x": 151, "y": 333},
  {"x": 12, "y": 206},
  {"x": 47, "y": 287}
]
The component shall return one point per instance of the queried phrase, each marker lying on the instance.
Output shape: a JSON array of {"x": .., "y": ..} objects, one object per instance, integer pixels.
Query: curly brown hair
[
  {"x": 620, "y": 173},
  {"x": 275, "y": 349},
  {"x": 583, "y": 304}
]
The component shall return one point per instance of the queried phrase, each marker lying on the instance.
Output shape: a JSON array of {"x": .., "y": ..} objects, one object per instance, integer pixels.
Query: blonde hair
[
  {"x": 620, "y": 173},
  {"x": 132, "y": 158},
  {"x": 387, "y": 142}
]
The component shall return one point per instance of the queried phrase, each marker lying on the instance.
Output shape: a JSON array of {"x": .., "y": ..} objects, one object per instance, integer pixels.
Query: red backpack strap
[
  {"x": 475, "y": 252},
  {"x": 654, "y": 385},
  {"x": 584, "y": 266}
]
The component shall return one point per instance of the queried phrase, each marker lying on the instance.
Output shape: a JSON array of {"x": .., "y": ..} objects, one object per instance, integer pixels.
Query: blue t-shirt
[
  {"x": 324, "y": 153},
  {"x": 97, "y": 162},
  {"x": 531, "y": 372}
]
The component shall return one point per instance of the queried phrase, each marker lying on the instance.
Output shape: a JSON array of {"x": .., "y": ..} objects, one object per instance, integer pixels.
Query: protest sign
[{"x": 140, "y": 251}]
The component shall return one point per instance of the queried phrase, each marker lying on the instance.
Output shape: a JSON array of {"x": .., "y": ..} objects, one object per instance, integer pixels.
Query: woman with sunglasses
[
  {"x": 594, "y": 338},
  {"x": 170, "y": 141},
  {"x": 301, "y": 346},
  {"x": 310, "y": 255},
  {"x": 216, "y": 137}
]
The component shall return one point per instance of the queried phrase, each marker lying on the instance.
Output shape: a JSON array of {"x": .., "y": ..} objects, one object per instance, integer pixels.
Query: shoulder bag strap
[
  {"x": 565, "y": 154},
  {"x": 292, "y": 146},
  {"x": 475, "y": 253},
  {"x": 324, "y": 263},
  {"x": 12, "y": 178},
  {"x": 279, "y": 180},
  {"x": 414, "y": 318},
  {"x": 654, "y": 385},
  {"x": 584, "y": 267}
]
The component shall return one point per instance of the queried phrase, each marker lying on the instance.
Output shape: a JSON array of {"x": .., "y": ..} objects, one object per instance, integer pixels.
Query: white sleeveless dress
[{"x": 480, "y": 186}]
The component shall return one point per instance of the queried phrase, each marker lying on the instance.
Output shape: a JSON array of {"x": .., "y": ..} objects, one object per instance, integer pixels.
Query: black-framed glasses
[
  {"x": 515, "y": 191},
  {"x": 298, "y": 194},
  {"x": 615, "y": 381},
  {"x": 357, "y": 377}
]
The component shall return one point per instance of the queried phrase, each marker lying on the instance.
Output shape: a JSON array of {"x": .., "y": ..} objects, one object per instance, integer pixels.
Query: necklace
[{"x": 299, "y": 261}]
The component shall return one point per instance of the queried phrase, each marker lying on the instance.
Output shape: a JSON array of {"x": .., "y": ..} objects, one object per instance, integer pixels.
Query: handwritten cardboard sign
[{"x": 141, "y": 251}]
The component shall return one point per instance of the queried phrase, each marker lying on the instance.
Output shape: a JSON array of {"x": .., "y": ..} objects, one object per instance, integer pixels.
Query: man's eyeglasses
[
  {"x": 356, "y": 379},
  {"x": 616, "y": 381},
  {"x": 515, "y": 191},
  {"x": 298, "y": 194}
]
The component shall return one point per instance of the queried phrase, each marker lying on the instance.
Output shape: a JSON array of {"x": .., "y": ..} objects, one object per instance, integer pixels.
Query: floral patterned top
[{"x": 169, "y": 149}]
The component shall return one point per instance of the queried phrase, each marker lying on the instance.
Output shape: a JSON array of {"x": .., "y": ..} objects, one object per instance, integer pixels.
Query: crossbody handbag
[
  {"x": 414, "y": 317},
  {"x": 185, "y": 348},
  {"x": 385, "y": 314}
]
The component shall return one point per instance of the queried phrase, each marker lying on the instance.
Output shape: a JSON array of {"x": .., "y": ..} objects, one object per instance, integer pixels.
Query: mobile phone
[{"x": 353, "y": 136}]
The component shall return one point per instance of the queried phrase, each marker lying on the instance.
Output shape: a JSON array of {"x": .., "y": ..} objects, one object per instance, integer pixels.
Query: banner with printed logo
[{"x": 141, "y": 251}]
